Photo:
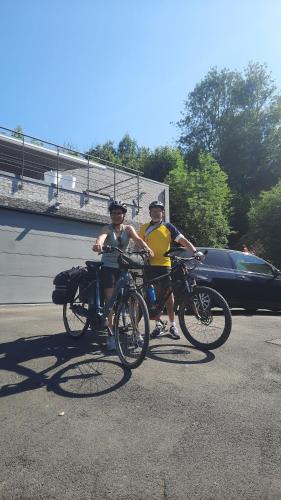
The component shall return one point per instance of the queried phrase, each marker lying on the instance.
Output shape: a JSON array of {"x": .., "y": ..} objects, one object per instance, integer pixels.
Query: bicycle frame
[
  {"x": 96, "y": 310},
  {"x": 185, "y": 286}
]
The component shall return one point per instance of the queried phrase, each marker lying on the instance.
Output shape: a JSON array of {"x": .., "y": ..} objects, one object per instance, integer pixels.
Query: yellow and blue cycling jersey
[{"x": 159, "y": 238}]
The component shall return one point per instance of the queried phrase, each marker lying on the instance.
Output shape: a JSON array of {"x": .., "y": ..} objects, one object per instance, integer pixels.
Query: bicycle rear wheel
[
  {"x": 131, "y": 329},
  {"x": 205, "y": 318},
  {"x": 74, "y": 322}
]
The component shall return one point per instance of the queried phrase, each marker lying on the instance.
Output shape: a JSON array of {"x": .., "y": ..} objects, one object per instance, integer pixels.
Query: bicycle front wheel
[
  {"x": 131, "y": 329},
  {"x": 205, "y": 318},
  {"x": 75, "y": 322}
]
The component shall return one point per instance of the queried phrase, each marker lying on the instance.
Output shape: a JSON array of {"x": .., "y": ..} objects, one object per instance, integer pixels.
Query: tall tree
[
  {"x": 104, "y": 151},
  {"x": 159, "y": 162},
  {"x": 200, "y": 201},
  {"x": 237, "y": 118},
  {"x": 127, "y": 151}
]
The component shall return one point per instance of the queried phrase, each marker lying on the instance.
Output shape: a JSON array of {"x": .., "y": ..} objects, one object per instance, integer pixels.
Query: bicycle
[
  {"x": 204, "y": 315},
  {"x": 131, "y": 319}
]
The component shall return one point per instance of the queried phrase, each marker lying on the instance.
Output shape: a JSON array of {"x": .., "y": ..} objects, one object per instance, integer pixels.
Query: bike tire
[
  {"x": 75, "y": 325},
  {"x": 197, "y": 317},
  {"x": 130, "y": 350}
]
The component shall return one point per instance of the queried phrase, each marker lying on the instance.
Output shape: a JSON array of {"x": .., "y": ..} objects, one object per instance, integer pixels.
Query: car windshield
[{"x": 250, "y": 263}]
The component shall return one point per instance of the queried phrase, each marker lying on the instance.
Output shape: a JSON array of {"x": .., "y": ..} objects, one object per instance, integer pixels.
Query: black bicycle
[
  {"x": 204, "y": 315},
  {"x": 131, "y": 319}
]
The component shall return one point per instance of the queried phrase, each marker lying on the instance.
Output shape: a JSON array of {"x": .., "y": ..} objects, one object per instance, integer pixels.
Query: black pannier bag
[
  {"x": 84, "y": 283},
  {"x": 88, "y": 280},
  {"x": 66, "y": 285}
]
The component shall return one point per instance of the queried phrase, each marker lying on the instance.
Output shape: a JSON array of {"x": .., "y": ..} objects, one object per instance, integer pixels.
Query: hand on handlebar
[
  {"x": 200, "y": 256},
  {"x": 147, "y": 251},
  {"x": 97, "y": 248}
]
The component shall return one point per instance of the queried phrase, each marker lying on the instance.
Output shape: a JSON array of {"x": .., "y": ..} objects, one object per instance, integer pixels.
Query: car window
[
  {"x": 250, "y": 263},
  {"x": 217, "y": 258}
]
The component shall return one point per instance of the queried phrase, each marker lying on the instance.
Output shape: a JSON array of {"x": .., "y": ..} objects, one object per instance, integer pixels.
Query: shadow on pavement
[
  {"x": 94, "y": 375},
  {"x": 180, "y": 354},
  {"x": 243, "y": 312}
]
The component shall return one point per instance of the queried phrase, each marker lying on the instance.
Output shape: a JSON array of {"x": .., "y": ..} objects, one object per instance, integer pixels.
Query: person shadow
[{"x": 72, "y": 367}]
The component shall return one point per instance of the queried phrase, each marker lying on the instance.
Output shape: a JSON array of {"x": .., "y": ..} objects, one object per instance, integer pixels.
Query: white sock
[{"x": 172, "y": 323}]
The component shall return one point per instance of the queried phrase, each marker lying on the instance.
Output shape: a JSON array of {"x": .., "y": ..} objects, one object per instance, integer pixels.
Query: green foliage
[
  {"x": 264, "y": 224},
  {"x": 200, "y": 201},
  {"x": 37, "y": 142},
  {"x": 127, "y": 153},
  {"x": 104, "y": 151},
  {"x": 70, "y": 148},
  {"x": 237, "y": 118},
  {"x": 18, "y": 132},
  {"x": 159, "y": 162}
]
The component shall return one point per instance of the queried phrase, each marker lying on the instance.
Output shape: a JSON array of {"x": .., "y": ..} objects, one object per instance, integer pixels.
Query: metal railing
[{"x": 30, "y": 158}]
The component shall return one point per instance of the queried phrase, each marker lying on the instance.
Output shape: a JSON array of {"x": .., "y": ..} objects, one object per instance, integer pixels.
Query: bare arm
[
  {"x": 97, "y": 247},
  {"x": 139, "y": 241},
  {"x": 187, "y": 244}
]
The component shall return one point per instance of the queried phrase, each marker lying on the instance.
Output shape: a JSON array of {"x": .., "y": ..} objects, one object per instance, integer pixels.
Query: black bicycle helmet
[
  {"x": 115, "y": 205},
  {"x": 156, "y": 204}
]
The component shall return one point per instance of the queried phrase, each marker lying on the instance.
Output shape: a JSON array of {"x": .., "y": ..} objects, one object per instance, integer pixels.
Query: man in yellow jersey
[{"x": 158, "y": 235}]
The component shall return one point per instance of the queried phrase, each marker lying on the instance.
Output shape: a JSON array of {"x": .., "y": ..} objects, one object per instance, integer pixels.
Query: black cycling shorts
[
  {"x": 109, "y": 276},
  {"x": 151, "y": 272}
]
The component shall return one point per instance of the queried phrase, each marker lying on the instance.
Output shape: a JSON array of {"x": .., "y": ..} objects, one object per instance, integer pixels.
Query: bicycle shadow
[
  {"x": 260, "y": 312},
  {"x": 94, "y": 376},
  {"x": 179, "y": 354}
]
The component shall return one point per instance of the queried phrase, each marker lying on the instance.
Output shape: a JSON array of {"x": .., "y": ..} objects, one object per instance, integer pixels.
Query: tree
[
  {"x": 36, "y": 142},
  {"x": 200, "y": 201},
  {"x": 161, "y": 161},
  {"x": 236, "y": 117},
  {"x": 104, "y": 151},
  {"x": 18, "y": 132},
  {"x": 128, "y": 151},
  {"x": 264, "y": 224},
  {"x": 70, "y": 148}
]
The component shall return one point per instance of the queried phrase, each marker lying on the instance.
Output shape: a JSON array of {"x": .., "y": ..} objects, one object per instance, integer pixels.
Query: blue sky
[{"x": 91, "y": 70}]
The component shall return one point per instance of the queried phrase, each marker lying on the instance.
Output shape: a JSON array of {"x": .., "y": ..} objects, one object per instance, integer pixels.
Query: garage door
[{"x": 34, "y": 248}]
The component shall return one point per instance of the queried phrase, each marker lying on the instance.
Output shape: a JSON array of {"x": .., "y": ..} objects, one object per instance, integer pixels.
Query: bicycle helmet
[
  {"x": 115, "y": 205},
  {"x": 156, "y": 204}
]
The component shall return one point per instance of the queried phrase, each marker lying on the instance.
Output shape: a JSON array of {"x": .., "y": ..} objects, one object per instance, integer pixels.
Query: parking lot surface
[{"x": 184, "y": 425}]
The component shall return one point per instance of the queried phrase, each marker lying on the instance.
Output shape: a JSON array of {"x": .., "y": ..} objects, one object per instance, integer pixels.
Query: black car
[{"x": 246, "y": 281}]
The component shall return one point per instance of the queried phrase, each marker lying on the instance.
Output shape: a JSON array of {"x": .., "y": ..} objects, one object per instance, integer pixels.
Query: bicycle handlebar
[
  {"x": 111, "y": 249},
  {"x": 181, "y": 249}
]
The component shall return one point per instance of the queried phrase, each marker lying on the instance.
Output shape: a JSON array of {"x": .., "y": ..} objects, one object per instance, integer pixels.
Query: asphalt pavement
[{"x": 184, "y": 425}]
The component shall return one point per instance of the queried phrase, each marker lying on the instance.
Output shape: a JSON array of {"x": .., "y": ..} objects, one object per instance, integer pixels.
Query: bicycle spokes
[
  {"x": 133, "y": 337},
  {"x": 205, "y": 318}
]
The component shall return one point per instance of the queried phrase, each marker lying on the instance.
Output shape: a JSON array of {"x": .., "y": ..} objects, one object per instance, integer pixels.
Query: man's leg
[
  {"x": 170, "y": 308},
  {"x": 161, "y": 287},
  {"x": 170, "y": 303}
]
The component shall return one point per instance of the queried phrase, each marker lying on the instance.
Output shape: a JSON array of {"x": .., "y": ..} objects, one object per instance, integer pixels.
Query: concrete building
[{"x": 52, "y": 206}]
